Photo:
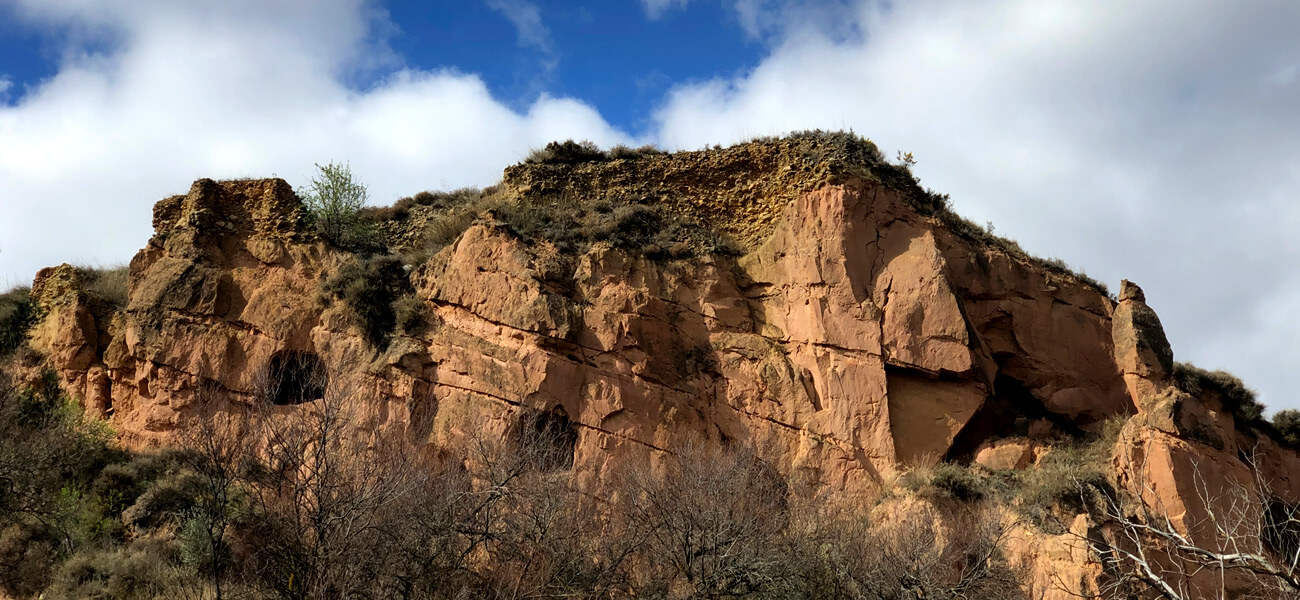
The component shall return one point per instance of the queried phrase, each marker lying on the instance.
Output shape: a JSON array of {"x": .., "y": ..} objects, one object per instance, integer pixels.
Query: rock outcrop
[
  {"x": 857, "y": 333},
  {"x": 859, "y": 336}
]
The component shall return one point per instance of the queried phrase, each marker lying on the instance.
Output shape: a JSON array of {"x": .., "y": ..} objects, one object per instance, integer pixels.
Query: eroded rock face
[
  {"x": 854, "y": 337},
  {"x": 70, "y": 335},
  {"x": 859, "y": 337}
]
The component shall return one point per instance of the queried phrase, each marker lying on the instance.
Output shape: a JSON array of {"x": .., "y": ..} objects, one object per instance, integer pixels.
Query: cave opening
[
  {"x": 295, "y": 378},
  {"x": 548, "y": 440},
  {"x": 1007, "y": 413}
]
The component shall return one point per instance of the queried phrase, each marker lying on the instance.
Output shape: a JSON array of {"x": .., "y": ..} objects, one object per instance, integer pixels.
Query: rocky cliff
[{"x": 855, "y": 330}]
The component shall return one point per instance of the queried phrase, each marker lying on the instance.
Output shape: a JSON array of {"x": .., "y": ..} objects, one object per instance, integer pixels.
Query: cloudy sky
[{"x": 1157, "y": 141}]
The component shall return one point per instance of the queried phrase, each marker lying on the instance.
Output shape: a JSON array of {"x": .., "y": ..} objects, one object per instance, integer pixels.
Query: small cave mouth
[
  {"x": 547, "y": 440},
  {"x": 295, "y": 378}
]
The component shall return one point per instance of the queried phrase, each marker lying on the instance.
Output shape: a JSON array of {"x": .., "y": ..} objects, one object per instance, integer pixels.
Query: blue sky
[
  {"x": 608, "y": 53},
  {"x": 1157, "y": 140},
  {"x": 615, "y": 55}
]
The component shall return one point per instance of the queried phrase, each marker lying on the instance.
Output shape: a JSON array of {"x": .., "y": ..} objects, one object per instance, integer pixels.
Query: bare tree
[
  {"x": 1235, "y": 541},
  {"x": 711, "y": 521},
  {"x": 216, "y": 446},
  {"x": 949, "y": 553},
  {"x": 322, "y": 489},
  {"x": 541, "y": 535}
]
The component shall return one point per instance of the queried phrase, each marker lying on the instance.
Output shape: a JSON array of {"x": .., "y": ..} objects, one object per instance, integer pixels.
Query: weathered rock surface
[
  {"x": 854, "y": 336},
  {"x": 859, "y": 336}
]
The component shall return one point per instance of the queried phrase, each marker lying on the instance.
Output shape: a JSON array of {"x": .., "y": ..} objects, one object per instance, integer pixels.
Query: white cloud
[
  {"x": 533, "y": 33},
  {"x": 1150, "y": 141},
  {"x": 655, "y": 9},
  {"x": 527, "y": 19},
  {"x": 189, "y": 90}
]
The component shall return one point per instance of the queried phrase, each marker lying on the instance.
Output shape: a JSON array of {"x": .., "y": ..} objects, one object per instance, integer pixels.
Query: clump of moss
[
  {"x": 1237, "y": 399},
  {"x": 370, "y": 288}
]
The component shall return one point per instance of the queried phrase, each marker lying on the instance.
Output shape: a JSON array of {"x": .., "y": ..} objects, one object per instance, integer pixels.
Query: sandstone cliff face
[
  {"x": 854, "y": 336},
  {"x": 858, "y": 337}
]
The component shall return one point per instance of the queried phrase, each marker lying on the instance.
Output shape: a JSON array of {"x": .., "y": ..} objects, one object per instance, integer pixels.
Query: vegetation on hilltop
[
  {"x": 572, "y": 193},
  {"x": 1237, "y": 399}
]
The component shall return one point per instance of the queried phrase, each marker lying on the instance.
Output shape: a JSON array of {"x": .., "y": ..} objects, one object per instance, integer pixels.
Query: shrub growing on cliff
[
  {"x": 1237, "y": 399},
  {"x": 648, "y": 229},
  {"x": 1286, "y": 425},
  {"x": 567, "y": 152},
  {"x": 370, "y": 287},
  {"x": 334, "y": 199},
  {"x": 947, "y": 481},
  {"x": 17, "y": 314},
  {"x": 108, "y": 284}
]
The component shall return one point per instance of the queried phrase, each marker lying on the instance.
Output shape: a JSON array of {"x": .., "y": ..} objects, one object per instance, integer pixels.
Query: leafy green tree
[{"x": 335, "y": 198}]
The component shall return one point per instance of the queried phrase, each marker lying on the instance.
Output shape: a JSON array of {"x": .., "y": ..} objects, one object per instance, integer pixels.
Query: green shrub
[
  {"x": 370, "y": 287},
  {"x": 144, "y": 569},
  {"x": 41, "y": 405},
  {"x": 334, "y": 200},
  {"x": 17, "y": 314},
  {"x": 1067, "y": 480},
  {"x": 1286, "y": 426},
  {"x": 165, "y": 502},
  {"x": 28, "y": 552},
  {"x": 958, "y": 483},
  {"x": 1237, "y": 399}
]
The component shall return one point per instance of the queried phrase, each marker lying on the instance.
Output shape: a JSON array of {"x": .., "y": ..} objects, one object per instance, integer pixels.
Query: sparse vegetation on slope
[
  {"x": 571, "y": 193},
  {"x": 107, "y": 284},
  {"x": 323, "y": 510},
  {"x": 371, "y": 288},
  {"x": 1237, "y": 399},
  {"x": 17, "y": 314}
]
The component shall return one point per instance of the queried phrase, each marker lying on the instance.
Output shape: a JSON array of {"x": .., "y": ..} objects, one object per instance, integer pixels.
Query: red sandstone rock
[{"x": 854, "y": 337}]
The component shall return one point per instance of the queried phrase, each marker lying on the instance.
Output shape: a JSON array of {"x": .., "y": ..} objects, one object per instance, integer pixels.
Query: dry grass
[{"x": 107, "y": 283}]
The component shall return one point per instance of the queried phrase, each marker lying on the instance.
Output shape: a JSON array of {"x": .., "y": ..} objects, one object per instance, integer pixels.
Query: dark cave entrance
[
  {"x": 548, "y": 440},
  {"x": 296, "y": 377},
  {"x": 1008, "y": 413}
]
